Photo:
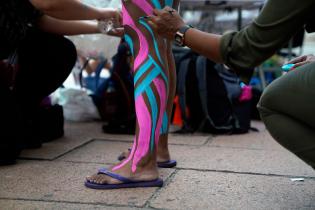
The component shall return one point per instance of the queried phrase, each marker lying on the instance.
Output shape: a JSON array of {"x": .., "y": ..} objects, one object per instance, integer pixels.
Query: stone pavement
[{"x": 249, "y": 171}]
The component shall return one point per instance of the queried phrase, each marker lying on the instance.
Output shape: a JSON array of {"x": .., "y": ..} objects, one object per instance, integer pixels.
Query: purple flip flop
[
  {"x": 166, "y": 164},
  {"x": 126, "y": 183}
]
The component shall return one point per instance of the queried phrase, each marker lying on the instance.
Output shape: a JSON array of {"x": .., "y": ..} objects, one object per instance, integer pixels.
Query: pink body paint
[
  {"x": 144, "y": 46},
  {"x": 145, "y": 127},
  {"x": 141, "y": 146},
  {"x": 161, "y": 89}
]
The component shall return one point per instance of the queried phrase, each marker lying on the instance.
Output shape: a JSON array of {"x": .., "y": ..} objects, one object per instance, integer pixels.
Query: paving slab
[
  {"x": 210, "y": 190},
  {"x": 258, "y": 124},
  {"x": 63, "y": 182},
  {"x": 204, "y": 158},
  {"x": 253, "y": 140},
  {"x": 36, "y": 205},
  {"x": 189, "y": 139},
  {"x": 240, "y": 160},
  {"x": 76, "y": 134},
  {"x": 176, "y": 139},
  {"x": 98, "y": 151}
]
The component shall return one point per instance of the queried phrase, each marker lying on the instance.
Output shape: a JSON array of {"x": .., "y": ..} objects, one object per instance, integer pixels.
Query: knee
[
  {"x": 68, "y": 54},
  {"x": 268, "y": 97}
]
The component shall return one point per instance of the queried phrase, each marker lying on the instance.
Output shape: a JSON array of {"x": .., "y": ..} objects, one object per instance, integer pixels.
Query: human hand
[
  {"x": 302, "y": 60},
  {"x": 117, "y": 32},
  {"x": 108, "y": 27},
  {"x": 166, "y": 22},
  {"x": 115, "y": 15}
]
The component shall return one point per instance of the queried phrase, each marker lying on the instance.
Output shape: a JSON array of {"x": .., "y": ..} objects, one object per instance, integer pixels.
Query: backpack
[
  {"x": 209, "y": 98},
  {"x": 114, "y": 98}
]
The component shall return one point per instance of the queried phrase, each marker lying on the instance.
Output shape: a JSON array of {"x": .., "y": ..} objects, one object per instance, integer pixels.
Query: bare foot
[{"x": 144, "y": 172}]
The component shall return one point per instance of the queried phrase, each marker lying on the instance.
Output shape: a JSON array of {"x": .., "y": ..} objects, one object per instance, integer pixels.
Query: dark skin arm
[
  {"x": 68, "y": 17},
  {"x": 167, "y": 25},
  {"x": 73, "y": 10}
]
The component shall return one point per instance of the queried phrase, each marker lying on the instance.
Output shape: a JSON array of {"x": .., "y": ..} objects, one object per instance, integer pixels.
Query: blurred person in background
[{"x": 35, "y": 59}]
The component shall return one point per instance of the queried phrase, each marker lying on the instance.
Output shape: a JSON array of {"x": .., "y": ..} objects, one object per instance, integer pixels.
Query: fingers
[
  {"x": 298, "y": 59},
  {"x": 117, "y": 32},
  {"x": 152, "y": 21},
  {"x": 157, "y": 12},
  {"x": 300, "y": 64}
]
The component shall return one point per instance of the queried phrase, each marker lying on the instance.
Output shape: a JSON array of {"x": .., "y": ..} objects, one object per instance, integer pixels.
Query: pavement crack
[
  {"x": 73, "y": 149},
  {"x": 167, "y": 181},
  {"x": 70, "y": 202},
  {"x": 246, "y": 173}
]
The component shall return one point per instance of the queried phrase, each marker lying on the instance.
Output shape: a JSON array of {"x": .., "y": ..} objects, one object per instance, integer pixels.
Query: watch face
[{"x": 179, "y": 39}]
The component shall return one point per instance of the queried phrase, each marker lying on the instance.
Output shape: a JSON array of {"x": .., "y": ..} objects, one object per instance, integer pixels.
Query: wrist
[{"x": 180, "y": 35}]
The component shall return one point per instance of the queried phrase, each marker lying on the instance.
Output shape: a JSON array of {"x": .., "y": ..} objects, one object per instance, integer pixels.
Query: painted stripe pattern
[{"x": 150, "y": 80}]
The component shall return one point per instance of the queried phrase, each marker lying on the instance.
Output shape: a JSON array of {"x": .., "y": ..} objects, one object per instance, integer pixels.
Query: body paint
[{"x": 151, "y": 83}]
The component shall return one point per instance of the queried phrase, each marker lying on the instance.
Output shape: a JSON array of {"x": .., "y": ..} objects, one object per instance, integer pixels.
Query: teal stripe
[
  {"x": 154, "y": 108},
  {"x": 169, "y": 3},
  {"x": 157, "y": 4},
  {"x": 142, "y": 70},
  {"x": 164, "y": 124},
  {"x": 162, "y": 73},
  {"x": 146, "y": 82},
  {"x": 154, "y": 40},
  {"x": 130, "y": 43}
]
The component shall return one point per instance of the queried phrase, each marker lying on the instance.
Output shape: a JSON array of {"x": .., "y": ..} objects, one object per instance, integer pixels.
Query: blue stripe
[
  {"x": 154, "y": 108},
  {"x": 130, "y": 43},
  {"x": 142, "y": 70},
  {"x": 154, "y": 40},
  {"x": 162, "y": 73},
  {"x": 169, "y": 3},
  {"x": 156, "y": 4},
  {"x": 146, "y": 82},
  {"x": 164, "y": 124}
]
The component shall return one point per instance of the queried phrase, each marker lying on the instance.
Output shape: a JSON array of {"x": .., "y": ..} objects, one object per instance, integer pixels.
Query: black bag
[
  {"x": 50, "y": 123},
  {"x": 10, "y": 128},
  {"x": 44, "y": 125},
  {"x": 211, "y": 95},
  {"x": 115, "y": 98}
]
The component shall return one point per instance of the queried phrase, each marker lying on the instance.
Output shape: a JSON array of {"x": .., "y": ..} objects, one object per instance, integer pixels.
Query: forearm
[
  {"x": 71, "y": 10},
  {"x": 64, "y": 27},
  {"x": 205, "y": 44}
]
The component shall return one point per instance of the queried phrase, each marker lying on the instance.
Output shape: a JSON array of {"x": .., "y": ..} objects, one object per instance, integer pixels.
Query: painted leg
[
  {"x": 151, "y": 93},
  {"x": 163, "y": 154}
]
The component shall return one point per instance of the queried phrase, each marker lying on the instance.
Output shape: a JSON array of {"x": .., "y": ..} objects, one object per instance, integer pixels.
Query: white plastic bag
[{"x": 77, "y": 104}]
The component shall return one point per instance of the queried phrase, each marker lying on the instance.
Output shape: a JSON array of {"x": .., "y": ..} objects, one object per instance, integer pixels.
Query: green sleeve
[{"x": 278, "y": 21}]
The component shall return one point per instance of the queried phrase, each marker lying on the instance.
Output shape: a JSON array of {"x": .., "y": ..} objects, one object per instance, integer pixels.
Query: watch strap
[{"x": 181, "y": 33}]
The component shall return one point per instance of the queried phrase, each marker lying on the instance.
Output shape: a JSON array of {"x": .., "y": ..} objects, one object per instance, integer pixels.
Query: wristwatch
[{"x": 180, "y": 35}]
